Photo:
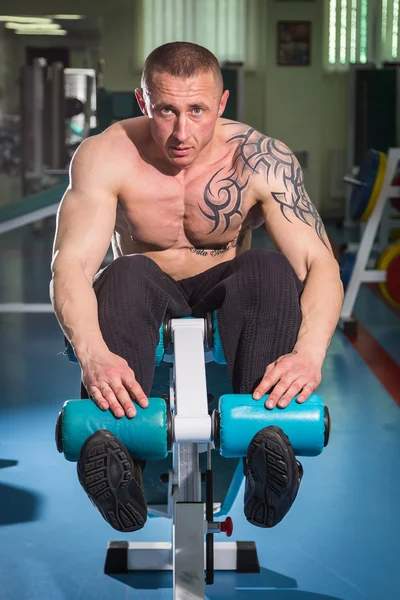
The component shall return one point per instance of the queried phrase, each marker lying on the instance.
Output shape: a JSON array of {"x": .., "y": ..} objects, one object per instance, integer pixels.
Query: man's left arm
[{"x": 296, "y": 228}]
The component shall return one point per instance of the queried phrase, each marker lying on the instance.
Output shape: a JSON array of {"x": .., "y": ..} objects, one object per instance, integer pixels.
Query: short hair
[{"x": 181, "y": 59}]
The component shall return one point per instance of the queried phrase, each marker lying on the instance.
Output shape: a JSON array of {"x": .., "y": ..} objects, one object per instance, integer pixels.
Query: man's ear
[
  {"x": 141, "y": 101},
  {"x": 223, "y": 101}
]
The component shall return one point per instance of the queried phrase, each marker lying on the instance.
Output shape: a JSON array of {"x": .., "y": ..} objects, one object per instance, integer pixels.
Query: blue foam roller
[
  {"x": 218, "y": 351},
  {"x": 241, "y": 417},
  {"x": 145, "y": 436},
  {"x": 160, "y": 346}
]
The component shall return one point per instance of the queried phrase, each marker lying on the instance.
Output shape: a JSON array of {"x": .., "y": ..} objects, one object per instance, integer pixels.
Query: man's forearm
[
  {"x": 321, "y": 304},
  {"x": 75, "y": 305}
]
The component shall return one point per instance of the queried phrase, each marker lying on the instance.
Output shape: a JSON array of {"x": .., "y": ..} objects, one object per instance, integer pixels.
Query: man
[{"x": 178, "y": 192}]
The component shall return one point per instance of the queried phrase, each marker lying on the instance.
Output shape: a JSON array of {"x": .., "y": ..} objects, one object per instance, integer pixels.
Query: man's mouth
[{"x": 179, "y": 150}]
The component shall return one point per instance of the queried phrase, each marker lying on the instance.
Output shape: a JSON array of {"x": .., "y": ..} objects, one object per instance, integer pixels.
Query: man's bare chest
[{"x": 204, "y": 210}]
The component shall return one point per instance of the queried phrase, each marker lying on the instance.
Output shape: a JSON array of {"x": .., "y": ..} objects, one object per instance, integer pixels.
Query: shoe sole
[
  {"x": 104, "y": 470},
  {"x": 272, "y": 465}
]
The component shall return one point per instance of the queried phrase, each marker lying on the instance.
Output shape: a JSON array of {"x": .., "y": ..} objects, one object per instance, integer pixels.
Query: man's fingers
[
  {"x": 294, "y": 389},
  {"x": 136, "y": 391},
  {"x": 270, "y": 368},
  {"x": 307, "y": 391},
  {"x": 116, "y": 394},
  {"x": 109, "y": 395},
  {"x": 278, "y": 391},
  {"x": 123, "y": 398},
  {"x": 267, "y": 382},
  {"x": 283, "y": 393},
  {"x": 98, "y": 398}
]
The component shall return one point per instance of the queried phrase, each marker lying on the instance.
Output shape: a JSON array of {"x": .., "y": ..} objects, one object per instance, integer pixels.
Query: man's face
[{"x": 183, "y": 114}]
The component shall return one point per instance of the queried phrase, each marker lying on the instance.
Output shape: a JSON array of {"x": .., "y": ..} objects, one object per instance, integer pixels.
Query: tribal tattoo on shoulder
[{"x": 258, "y": 154}]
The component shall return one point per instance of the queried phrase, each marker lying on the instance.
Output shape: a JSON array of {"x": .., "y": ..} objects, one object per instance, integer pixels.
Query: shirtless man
[{"x": 178, "y": 192}]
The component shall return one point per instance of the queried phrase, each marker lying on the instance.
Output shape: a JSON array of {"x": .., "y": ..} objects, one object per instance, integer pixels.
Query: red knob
[{"x": 227, "y": 526}]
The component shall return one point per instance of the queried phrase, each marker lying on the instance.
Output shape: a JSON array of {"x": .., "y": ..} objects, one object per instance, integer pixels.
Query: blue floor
[{"x": 340, "y": 541}]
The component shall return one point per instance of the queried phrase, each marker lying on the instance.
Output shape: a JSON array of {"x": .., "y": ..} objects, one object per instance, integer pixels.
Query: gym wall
[{"x": 306, "y": 107}]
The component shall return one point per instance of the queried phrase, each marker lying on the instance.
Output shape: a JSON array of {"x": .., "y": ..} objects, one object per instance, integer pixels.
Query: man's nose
[{"x": 181, "y": 129}]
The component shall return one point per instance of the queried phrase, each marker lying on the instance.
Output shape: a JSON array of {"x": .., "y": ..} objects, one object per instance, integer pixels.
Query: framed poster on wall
[{"x": 294, "y": 43}]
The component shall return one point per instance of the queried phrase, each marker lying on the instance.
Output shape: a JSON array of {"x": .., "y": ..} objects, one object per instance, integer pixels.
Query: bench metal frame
[{"x": 192, "y": 433}]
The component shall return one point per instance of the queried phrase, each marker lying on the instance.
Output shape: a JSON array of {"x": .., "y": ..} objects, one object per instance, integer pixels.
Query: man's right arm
[{"x": 85, "y": 224}]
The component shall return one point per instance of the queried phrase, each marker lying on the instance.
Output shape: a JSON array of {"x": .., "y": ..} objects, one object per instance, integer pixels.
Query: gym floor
[{"x": 340, "y": 541}]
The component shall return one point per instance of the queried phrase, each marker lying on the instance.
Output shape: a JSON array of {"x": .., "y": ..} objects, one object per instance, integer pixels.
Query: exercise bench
[{"x": 182, "y": 437}]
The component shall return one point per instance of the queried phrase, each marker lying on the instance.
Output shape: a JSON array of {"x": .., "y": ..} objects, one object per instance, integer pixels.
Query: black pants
[{"x": 257, "y": 296}]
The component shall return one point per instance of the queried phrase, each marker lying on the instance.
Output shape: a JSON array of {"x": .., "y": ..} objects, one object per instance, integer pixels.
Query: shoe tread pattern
[
  {"x": 272, "y": 477},
  {"x": 111, "y": 479}
]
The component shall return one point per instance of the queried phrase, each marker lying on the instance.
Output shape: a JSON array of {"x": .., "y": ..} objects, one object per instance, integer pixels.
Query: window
[
  {"x": 390, "y": 30},
  {"x": 220, "y": 26},
  {"x": 360, "y": 31},
  {"x": 347, "y": 33}
]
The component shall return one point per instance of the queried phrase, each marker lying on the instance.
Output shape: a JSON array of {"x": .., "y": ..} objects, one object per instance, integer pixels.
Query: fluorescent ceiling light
[
  {"x": 30, "y": 26},
  {"x": 40, "y": 32},
  {"x": 25, "y": 19},
  {"x": 68, "y": 17}
]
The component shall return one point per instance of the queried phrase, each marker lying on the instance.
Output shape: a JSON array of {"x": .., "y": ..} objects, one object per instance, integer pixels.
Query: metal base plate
[{"x": 123, "y": 557}]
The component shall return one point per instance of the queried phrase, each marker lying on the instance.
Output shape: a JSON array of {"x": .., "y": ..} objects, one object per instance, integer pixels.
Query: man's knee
[
  {"x": 125, "y": 270},
  {"x": 266, "y": 264},
  {"x": 131, "y": 262}
]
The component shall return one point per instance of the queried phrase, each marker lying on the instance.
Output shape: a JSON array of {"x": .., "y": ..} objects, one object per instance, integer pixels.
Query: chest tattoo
[
  {"x": 258, "y": 154},
  {"x": 237, "y": 242}
]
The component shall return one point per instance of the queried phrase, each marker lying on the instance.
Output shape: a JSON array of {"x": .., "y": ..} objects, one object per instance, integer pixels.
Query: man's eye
[
  {"x": 197, "y": 111},
  {"x": 166, "y": 111}
]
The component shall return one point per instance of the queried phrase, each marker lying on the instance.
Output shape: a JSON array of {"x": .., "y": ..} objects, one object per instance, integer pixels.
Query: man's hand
[
  {"x": 289, "y": 375},
  {"x": 111, "y": 382}
]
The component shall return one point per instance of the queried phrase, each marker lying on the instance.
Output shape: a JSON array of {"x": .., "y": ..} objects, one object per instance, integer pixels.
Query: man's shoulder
[
  {"x": 229, "y": 129},
  {"x": 124, "y": 132},
  {"x": 132, "y": 128},
  {"x": 246, "y": 134},
  {"x": 120, "y": 141},
  {"x": 252, "y": 145}
]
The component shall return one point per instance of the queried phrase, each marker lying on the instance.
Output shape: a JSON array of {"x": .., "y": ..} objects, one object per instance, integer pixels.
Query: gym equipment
[
  {"x": 346, "y": 265},
  {"x": 33, "y": 207},
  {"x": 42, "y": 122},
  {"x": 73, "y": 107},
  {"x": 367, "y": 186},
  {"x": 396, "y": 201},
  {"x": 186, "y": 428},
  {"x": 360, "y": 272},
  {"x": 51, "y": 97},
  {"x": 28, "y": 210},
  {"x": 10, "y": 145},
  {"x": 364, "y": 195},
  {"x": 80, "y": 95},
  {"x": 389, "y": 261},
  {"x": 373, "y": 117},
  {"x": 376, "y": 187}
]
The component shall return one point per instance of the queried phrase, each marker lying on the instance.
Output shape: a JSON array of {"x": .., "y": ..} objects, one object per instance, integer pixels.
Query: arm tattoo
[{"x": 258, "y": 154}]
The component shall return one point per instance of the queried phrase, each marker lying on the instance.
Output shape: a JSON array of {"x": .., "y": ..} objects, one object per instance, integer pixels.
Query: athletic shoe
[
  {"x": 113, "y": 481},
  {"x": 272, "y": 477}
]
